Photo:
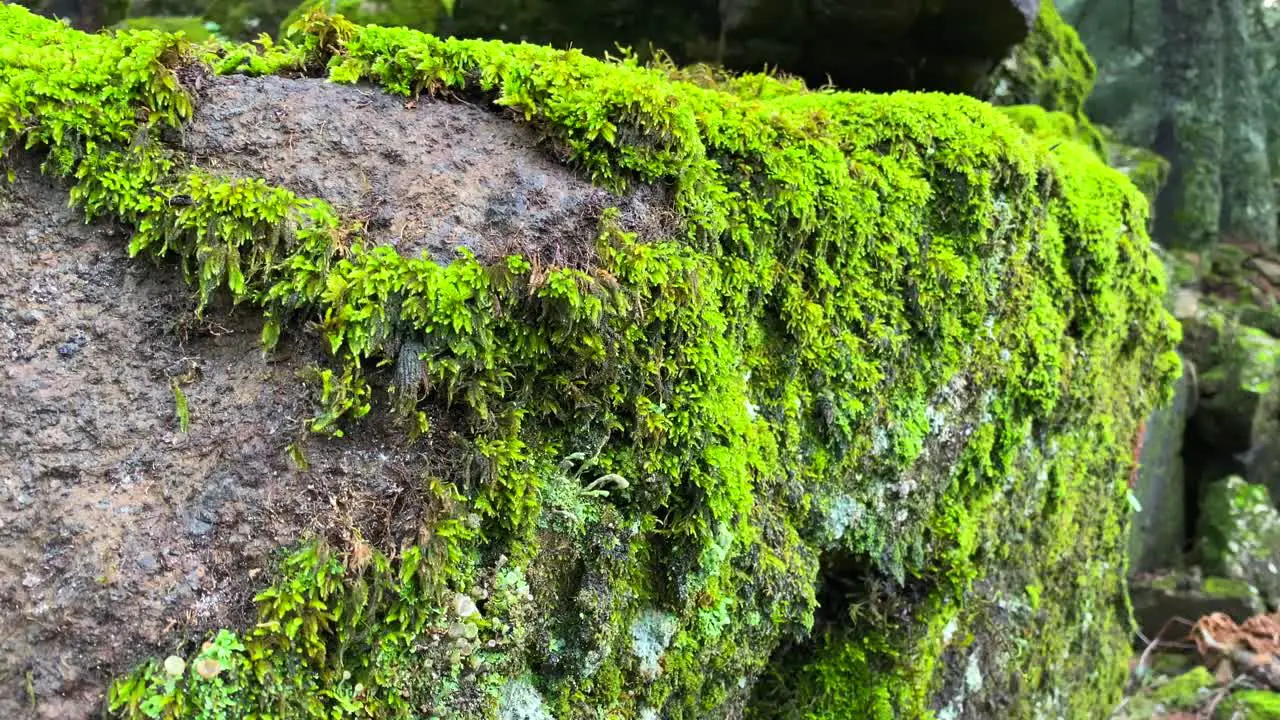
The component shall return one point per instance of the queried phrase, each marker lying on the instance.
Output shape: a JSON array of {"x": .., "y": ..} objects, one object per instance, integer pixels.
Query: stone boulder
[
  {"x": 1160, "y": 527},
  {"x": 1239, "y": 535},
  {"x": 1238, "y": 407},
  {"x": 406, "y": 376}
]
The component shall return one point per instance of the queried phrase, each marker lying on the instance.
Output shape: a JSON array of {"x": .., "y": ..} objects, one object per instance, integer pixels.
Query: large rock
[
  {"x": 1240, "y": 535},
  {"x": 1160, "y": 527},
  {"x": 629, "y": 398},
  {"x": 1239, "y": 395}
]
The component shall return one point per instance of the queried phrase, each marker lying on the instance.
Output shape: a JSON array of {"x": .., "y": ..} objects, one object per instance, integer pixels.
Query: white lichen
[
  {"x": 651, "y": 634},
  {"x": 520, "y": 700}
]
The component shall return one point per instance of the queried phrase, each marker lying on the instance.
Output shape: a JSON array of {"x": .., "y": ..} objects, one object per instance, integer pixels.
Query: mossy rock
[
  {"x": 1240, "y": 535},
  {"x": 1051, "y": 68},
  {"x": 852, "y": 436},
  {"x": 1144, "y": 168},
  {"x": 1186, "y": 692},
  {"x": 1239, "y": 369},
  {"x": 1159, "y": 529}
]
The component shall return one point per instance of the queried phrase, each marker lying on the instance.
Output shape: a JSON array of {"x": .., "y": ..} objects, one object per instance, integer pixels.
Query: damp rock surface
[{"x": 422, "y": 175}]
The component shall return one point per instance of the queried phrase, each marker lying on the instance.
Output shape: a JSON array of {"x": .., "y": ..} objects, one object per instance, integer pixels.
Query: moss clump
[
  {"x": 1059, "y": 126},
  {"x": 898, "y": 349},
  {"x": 1186, "y": 691},
  {"x": 1051, "y": 68},
  {"x": 1250, "y": 705}
]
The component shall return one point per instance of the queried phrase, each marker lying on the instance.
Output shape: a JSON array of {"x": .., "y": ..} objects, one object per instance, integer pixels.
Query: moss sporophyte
[{"x": 896, "y": 352}]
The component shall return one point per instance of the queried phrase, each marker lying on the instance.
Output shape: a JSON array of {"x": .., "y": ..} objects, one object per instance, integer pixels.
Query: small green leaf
[{"x": 180, "y": 401}]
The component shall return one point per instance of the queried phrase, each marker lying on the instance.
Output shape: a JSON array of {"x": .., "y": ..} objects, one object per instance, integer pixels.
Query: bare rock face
[
  {"x": 116, "y": 527},
  {"x": 426, "y": 177}
]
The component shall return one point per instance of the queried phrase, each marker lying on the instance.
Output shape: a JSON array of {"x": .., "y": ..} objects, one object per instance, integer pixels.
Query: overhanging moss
[
  {"x": 1051, "y": 68},
  {"x": 899, "y": 348}
]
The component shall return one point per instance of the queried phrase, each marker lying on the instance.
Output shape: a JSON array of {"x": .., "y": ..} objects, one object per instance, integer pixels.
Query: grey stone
[
  {"x": 1158, "y": 529},
  {"x": 199, "y": 528}
]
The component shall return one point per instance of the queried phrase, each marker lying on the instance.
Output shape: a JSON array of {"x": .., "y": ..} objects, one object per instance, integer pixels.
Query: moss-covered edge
[
  {"x": 1051, "y": 68},
  {"x": 763, "y": 390}
]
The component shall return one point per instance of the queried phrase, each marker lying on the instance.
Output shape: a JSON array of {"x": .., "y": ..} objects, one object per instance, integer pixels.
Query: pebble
[
  {"x": 148, "y": 563},
  {"x": 199, "y": 528},
  {"x": 30, "y": 316}
]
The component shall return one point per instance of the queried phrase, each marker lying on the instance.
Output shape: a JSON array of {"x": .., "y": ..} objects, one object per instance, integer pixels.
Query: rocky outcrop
[{"x": 627, "y": 396}]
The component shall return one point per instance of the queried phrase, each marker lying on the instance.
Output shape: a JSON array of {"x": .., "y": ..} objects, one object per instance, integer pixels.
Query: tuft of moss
[
  {"x": 896, "y": 356},
  {"x": 1051, "y": 68},
  {"x": 1056, "y": 125},
  {"x": 1186, "y": 691},
  {"x": 1250, "y": 705}
]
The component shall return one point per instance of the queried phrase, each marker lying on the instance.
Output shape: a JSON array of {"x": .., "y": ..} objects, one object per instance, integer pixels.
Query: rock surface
[
  {"x": 853, "y": 437},
  {"x": 116, "y": 528},
  {"x": 1159, "y": 530},
  {"x": 1240, "y": 535}
]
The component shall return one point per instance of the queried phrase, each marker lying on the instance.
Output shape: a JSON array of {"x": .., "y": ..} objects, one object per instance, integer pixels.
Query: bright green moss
[
  {"x": 1185, "y": 691},
  {"x": 1250, "y": 705},
  {"x": 1053, "y": 125},
  {"x": 1051, "y": 68},
  {"x": 898, "y": 343}
]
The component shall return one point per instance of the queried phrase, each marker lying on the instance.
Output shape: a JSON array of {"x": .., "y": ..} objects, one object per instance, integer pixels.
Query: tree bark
[
  {"x": 1249, "y": 206},
  {"x": 1189, "y": 208}
]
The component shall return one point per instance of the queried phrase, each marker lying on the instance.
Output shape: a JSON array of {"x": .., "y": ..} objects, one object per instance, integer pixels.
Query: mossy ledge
[{"x": 853, "y": 442}]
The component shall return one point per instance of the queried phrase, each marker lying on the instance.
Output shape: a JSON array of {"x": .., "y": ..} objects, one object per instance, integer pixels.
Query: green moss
[
  {"x": 1227, "y": 588},
  {"x": 1250, "y": 705},
  {"x": 1051, "y": 68},
  {"x": 1186, "y": 691},
  {"x": 897, "y": 343},
  {"x": 1051, "y": 125}
]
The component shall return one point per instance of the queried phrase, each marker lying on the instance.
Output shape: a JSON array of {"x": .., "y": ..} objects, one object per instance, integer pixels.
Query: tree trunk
[
  {"x": 1248, "y": 197},
  {"x": 1189, "y": 208}
]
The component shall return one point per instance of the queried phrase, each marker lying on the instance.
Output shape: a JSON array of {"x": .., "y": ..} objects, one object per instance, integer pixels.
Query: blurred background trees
[{"x": 1197, "y": 81}]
